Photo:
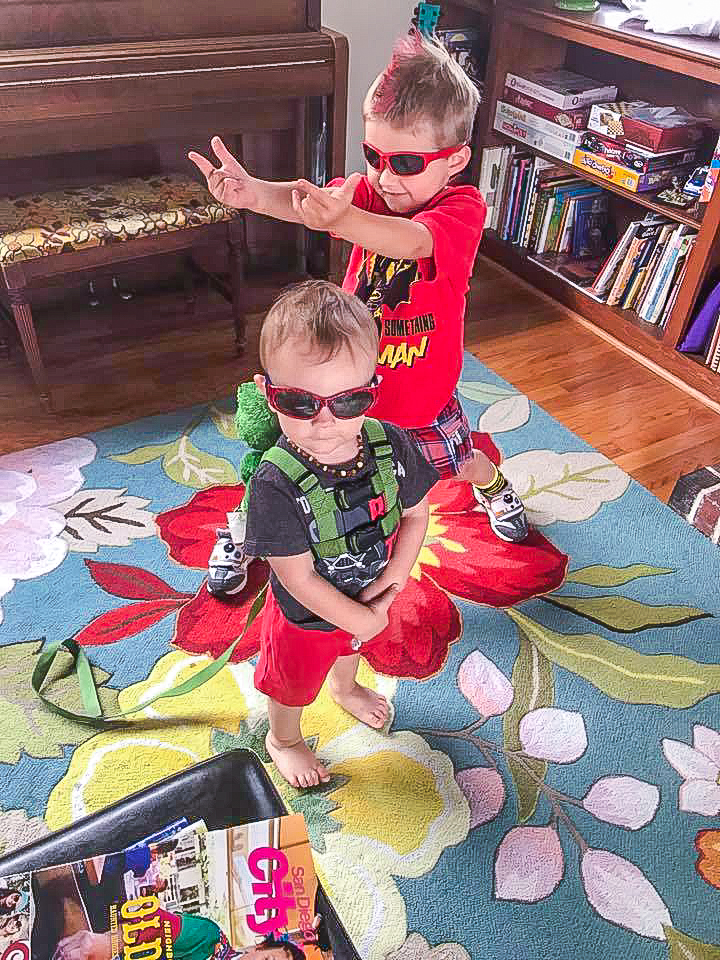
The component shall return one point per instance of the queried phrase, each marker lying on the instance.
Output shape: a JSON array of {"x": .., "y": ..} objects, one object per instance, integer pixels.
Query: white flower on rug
[
  {"x": 32, "y": 483},
  {"x": 394, "y": 810},
  {"x": 105, "y": 518},
  {"x": 699, "y": 766},
  {"x": 416, "y": 947},
  {"x": 570, "y": 487}
]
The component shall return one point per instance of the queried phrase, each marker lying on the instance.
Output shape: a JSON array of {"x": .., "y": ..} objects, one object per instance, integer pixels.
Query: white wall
[{"x": 371, "y": 27}]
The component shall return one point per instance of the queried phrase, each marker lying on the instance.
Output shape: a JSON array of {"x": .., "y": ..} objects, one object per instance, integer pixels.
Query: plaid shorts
[{"x": 446, "y": 442}]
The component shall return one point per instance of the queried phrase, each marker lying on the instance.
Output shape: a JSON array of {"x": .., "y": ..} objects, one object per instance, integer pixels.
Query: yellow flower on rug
[{"x": 390, "y": 810}]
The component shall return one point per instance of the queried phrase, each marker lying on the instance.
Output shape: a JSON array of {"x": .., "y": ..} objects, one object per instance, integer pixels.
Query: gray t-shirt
[{"x": 278, "y": 526}]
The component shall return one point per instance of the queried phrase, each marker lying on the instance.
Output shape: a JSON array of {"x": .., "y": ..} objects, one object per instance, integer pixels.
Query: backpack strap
[
  {"x": 320, "y": 501},
  {"x": 383, "y": 479}
]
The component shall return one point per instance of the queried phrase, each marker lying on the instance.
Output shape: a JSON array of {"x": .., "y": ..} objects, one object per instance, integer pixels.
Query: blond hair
[
  {"x": 422, "y": 84},
  {"x": 322, "y": 316}
]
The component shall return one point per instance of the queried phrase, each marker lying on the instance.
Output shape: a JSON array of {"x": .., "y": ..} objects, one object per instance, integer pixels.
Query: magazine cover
[
  {"x": 15, "y": 917},
  {"x": 247, "y": 891}
]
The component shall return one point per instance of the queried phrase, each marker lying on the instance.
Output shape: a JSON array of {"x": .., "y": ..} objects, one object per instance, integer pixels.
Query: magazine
[{"x": 247, "y": 891}]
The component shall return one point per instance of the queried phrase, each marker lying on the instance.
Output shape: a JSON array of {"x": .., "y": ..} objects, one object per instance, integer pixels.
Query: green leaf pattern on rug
[
  {"x": 682, "y": 947},
  {"x": 27, "y": 726},
  {"x": 625, "y": 615},
  {"x": 224, "y": 420},
  {"x": 534, "y": 684},
  {"x": 601, "y": 575},
  {"x": 143, "y": 454},
  {"x": 621, "y": 673},
  {"x": 195, "y": 468}
]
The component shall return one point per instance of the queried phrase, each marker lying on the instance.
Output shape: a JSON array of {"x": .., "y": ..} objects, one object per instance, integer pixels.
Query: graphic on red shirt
[{"x": 419, "y": 305}]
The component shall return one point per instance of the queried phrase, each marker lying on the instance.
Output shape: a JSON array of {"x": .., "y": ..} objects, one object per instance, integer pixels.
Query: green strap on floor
[{"x": 86, "y": 681}]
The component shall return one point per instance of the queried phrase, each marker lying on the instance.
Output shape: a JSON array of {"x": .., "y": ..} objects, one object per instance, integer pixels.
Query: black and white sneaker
[
  {"x": 227, "y": 567},
  {"x": 506, "y": 513}
]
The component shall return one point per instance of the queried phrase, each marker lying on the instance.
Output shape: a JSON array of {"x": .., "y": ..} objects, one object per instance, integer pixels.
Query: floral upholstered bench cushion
[{"x": 77, "y": 218}]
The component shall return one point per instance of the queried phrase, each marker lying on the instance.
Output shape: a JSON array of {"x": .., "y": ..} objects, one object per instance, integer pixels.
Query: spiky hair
[{"x": 423, "y": 85}]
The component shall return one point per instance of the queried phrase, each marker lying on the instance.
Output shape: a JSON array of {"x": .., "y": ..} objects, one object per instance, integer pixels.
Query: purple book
[{"x": 697, "y": 337}]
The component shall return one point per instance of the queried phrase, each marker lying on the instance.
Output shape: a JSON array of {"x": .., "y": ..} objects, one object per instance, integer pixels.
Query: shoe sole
[{"x": 227, "y": 593}]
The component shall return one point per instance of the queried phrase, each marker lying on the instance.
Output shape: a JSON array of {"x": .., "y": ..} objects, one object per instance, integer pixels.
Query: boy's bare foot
[
  {"x": 297, "y": 763},
  {"x": 363, "y": 704}
]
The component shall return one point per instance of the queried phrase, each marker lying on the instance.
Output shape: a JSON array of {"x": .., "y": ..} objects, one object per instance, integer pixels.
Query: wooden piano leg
[
  {"x": 237, "y": 240},
  {"x": 26, "y": 328}
]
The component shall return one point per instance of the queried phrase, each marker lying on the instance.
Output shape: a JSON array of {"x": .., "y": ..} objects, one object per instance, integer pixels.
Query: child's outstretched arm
[
  {"x": 363, "y": 620},
  {"x": 231, "y": 184},
  {"x": 413, "y": 526},
  {"x": 331, "y": 208}
]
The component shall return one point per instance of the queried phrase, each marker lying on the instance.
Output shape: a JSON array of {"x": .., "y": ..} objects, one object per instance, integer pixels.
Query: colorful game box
[
  {"x": 655, "y": 128},
  {"x": 623, "y": 176},
  {"x": 634, "y": 157}
]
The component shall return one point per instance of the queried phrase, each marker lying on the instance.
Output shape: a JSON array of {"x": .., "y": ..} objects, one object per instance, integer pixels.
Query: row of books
[
  {"x": 186, "y": 893},
  {"x": 712, "y": 357},
  {"x": 645, "y": 270},
  {"x": 563, "y": 223},
  {"x": 539, "y": 206}
]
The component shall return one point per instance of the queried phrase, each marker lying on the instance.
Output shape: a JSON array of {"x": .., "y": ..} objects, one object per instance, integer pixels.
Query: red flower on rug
[
  {"x": 707, "y": 844},
  {"x": 460, "y": 557}
]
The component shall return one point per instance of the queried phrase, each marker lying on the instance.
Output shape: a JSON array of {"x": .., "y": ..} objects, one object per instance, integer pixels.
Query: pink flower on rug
[
  {"x": 460, "y": 556},
  {"x": 622, "y": 894},
  {"x": 552, "y": 734},
  {"x": 625, "y": 801},
  {"x": 485, "y": 792},
  {"x": 529, "y": 864},
  {"x": 699, "y": 766},
  {"x": 486, "y": 687}
]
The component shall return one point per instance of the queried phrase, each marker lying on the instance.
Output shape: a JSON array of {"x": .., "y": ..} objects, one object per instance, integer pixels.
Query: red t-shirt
[{"x": 419, "y": 305}]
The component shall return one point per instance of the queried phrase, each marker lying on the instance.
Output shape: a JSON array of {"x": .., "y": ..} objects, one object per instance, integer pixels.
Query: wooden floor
[{"x": 124, "y": 361}]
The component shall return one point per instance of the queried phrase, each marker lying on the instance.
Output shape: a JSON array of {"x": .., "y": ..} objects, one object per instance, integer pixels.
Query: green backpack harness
[{"x": 325, "y": 506}]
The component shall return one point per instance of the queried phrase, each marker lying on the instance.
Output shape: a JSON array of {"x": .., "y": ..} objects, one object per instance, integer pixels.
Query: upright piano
[{"x": 126, "y": 87}]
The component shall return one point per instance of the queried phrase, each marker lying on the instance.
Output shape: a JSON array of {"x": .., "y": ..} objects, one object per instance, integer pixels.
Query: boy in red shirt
[{"x": 415, "y": 238}]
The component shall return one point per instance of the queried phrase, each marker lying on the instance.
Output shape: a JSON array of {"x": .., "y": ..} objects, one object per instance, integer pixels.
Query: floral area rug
[{"x": 550, "y": 786}]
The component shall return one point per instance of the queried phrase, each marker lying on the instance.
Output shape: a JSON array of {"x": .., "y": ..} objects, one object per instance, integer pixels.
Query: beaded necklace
[{"x": 347, "y": 469}]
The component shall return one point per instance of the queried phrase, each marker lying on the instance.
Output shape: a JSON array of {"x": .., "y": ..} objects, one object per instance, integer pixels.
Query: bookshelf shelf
[
  {"x": 641, "y": 199},
  {"x": 683, "y": 71}
]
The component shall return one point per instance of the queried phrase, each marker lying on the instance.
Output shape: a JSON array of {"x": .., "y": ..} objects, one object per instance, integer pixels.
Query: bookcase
[{"x": 677, "y": 70}]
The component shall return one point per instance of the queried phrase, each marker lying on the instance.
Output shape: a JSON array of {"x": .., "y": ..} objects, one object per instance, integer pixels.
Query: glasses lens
[
  {"x": 372, "y": 156},
  {"x": 350, "y": 405},
  {"x": 302, "y": 406},
  {"x": 407, "y": 164}
]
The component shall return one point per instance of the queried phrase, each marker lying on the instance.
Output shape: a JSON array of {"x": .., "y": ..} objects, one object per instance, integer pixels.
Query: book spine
[
  {"x": 659, "y": 278},
  {"x": 508, "y": 112},
  {"x": 556, "y": 98},
  {"x": 623, "y": 275}
]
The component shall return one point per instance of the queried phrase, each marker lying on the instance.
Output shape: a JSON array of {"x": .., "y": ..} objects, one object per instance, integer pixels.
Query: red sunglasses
[
  {"x": 304, "y": 405},
  {"x": 404, "y": 164}
]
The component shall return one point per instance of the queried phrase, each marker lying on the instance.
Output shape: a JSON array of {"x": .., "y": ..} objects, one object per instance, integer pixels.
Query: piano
[{"x": 91, "y": 88}]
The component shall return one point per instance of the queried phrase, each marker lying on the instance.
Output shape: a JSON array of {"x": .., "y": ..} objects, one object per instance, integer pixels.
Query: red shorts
[{"x": 294, "y": 661}]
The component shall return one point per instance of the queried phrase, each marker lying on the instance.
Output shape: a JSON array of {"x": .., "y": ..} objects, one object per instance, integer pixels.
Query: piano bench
[{"x": 47, "y": 235}]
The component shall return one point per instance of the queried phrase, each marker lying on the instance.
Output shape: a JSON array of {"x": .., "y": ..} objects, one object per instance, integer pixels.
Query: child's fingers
[
  {"x": 226, "y": 158},
  {"x": 297, "y": 204},
  {"x": 202, "y": 163},
  {"x": 317, "y": 193},
  {"x": 347, "y": 190}
]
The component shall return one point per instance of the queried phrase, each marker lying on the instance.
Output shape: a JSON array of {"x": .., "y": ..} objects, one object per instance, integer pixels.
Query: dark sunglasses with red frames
[
  {"x": 402, "y": 163},
  {"x": 304, "y": 405}
]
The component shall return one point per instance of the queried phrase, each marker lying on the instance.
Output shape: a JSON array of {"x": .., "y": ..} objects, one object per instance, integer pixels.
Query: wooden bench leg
[
  {"x": 26, "y": 328},
  {"x": 237, "y": 239}
]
